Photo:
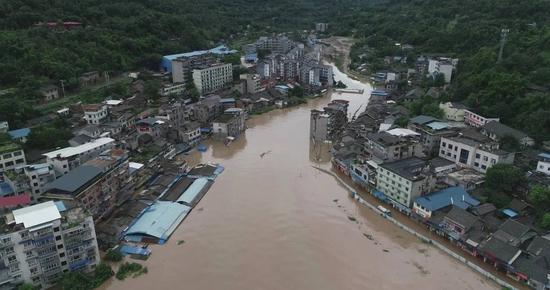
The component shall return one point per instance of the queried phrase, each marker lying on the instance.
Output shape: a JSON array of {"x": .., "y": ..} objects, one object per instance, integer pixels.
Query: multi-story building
[
  {"x": 4, "y": 126},
  {"x": 182, "y": 68},
  {"x": 477, "y": 154},
  {"x": 321, "y": 26},
  {"x": 66, "y": 159},
  {"x": 543, "y": 164},
  {"x": 442, "y": 65},
  {"x": 253, "y": 83},
  {"x": 191, "y": 133},
  {"x": 95, "y": 185},
  {"x": 328, "y": 125},
  {"x": 385, "y": 147},
  {"x": 402, "y": 181},
  {"x": 275, "y": 44},
  {"x": 49, "y": 93},
  {"x": 11, "y": 156},
  {"x": 230, "y": 124},
  {"x": 496, "y": 131},
  {"x": 453, "y": 111},
  {"x": 431, "y": 130},
  {"x": 207, "y": 109},
  {"x": 476, "y": 120},
  {"x": 41, "y": 242},
  {"x": 39, "y": 175},
  {"x": 213, "y": 77},
  {"x": 172, "y": 90},
  {"x": 95, "y": 113}
]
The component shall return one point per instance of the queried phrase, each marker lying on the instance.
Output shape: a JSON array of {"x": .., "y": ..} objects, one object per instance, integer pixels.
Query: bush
[
  {"x": 128, "y": 269},
  {"x": 113, "y": 256}
]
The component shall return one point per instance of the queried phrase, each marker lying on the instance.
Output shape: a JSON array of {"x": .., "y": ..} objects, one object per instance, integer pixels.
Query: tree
[
  {"x": 402, "y": 122},
  {"x": 545, "y": 222},
  {"x": 113, "y": 256},
  {"x": 540, "y": 196},
  {"x": 27, "y": 286},
  {"x": 296, "y": 91},
  {"x": 509, "y": 143},
  {"x": 504, "y": 178}
]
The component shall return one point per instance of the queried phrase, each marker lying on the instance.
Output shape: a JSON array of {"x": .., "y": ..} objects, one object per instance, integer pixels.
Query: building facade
[
  {"x": 95, "y": 113},
  {"x": 212, "y": 78},
  {"x": 66, "y": 159},
  {"x": 44, "y": 241},
  {"x": 11, "y": 156},
  {"x": 476, "y": 120}
]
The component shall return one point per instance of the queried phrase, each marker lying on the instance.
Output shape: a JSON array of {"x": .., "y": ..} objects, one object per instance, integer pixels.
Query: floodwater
[{"x": 272, "y": 221}]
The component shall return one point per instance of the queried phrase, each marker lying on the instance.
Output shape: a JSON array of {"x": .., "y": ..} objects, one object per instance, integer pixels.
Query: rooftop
[
  {"x": 456, "y": 196},
  {"x": 501, "y": 250},
  {"x": 71, "y": 151},
  {"x": 422, "y": 120},
  {"x": 462, "y": 217},
  {"x": 410, "y": 168},
  {"x": 36, "y": 214},
  {"x": 77, "y": 178},
  {"x": 9, "y": 147},
  {"x": 501, "y": 130}
]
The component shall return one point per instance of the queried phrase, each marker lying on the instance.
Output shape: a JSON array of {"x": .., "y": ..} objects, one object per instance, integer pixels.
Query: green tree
[
  {"x": 545, "y": 222},
  {"x": 113, "y": 256},
  {"x": 540, "y": 196},
  {"x": 504, "y": 178},
  {"x": 27, "y": 286},
  {"x": 510, "y": 143}
]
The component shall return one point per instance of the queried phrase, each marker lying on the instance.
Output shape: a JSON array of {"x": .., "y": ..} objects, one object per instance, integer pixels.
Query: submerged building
[{"x": 328, "y": 125}]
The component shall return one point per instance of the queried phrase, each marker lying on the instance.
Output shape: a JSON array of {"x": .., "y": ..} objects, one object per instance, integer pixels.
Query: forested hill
[{"x": 122, "y": 35}]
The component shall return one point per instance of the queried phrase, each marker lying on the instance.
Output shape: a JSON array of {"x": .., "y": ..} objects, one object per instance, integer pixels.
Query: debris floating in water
[
  {"x": 335, "y": 200},
  {"x": 353, "y": 219},
  {"x": 387, "y": 251},
  {"x": 180, "y": 242},
  {"x": 264, "y": 154}
]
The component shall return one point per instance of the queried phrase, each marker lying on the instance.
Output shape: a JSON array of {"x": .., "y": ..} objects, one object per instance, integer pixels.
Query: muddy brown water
[{"x": 274, "y": 222}]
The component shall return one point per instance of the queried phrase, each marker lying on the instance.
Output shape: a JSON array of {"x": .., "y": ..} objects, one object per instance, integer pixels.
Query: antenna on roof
[{"x": 452, "y": 201}]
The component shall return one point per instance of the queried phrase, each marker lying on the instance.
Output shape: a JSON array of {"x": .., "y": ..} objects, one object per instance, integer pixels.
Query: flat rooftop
[{"x": 72, "y": 151}]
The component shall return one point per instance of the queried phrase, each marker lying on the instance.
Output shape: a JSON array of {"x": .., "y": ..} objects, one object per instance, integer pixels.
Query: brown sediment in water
[{"x": 275, "y": 222}]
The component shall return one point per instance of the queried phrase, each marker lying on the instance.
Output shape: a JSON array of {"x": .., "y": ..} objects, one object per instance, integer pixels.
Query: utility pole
[
  {"x": 503, "y": 38},
  {"x": 63, "y": 87}
]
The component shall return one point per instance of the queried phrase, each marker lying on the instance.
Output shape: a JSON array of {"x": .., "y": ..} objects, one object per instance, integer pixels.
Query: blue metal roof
[
  {"x": 189, "y": 196},
  {"x": 545, "y": 155},
  {"x": 60, "y": 206},
  {"x": 455, "y": 195},
  {"x": 5, "y": 189},
  {"x": 19, "y": 133},
  {"x": 129, "y": 250},
  {"x": 379, "y": 93},
  {"x": 159, "y": 220},
  {"x": 167, "y": 59}
]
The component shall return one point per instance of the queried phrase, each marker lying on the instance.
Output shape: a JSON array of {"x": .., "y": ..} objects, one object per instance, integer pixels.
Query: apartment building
[
  {"x": 402, "y": 181},
  {"x": 43, "y": 241},
  {"x": 182, "y": 67},
  {"x": 477, "y": 154},
  {"x": 431, "y": 131},
  {"x": 66, "y": 159},
  {"x": 385, "y": 147},
  {"x": 328, "y": 125},
  {"x": 95, "y": 185},
  {"x": 476, "y": 120},
  {"x": 213, "y": 77}
]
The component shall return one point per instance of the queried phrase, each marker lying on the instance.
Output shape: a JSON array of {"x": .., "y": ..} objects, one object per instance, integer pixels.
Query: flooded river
[{"x": 272, "y": 221}]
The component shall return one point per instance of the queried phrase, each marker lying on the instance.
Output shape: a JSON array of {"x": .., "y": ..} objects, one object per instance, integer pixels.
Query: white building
[
  {"x": 444, "y": 66},
  {"x": 253, "y": 83},
  {"x": 543, "y": 165},
  {"x": 4, "y": 126},
  {"x": 213, "y": 77},
  {"x": 66, "y": 159},
  {"x": 39, "y": 175},
  {"x": 404, "y": 180},
  {"x": 172, "y": 90},
  {"x": 43, "y": 241},
  {"x": 11, "y": 156},
  {"x": 474, "y": 154},
  {"x": 476, "y": 120},
  {"x": 453, "y": 111},
  {"x": 95, "y": 113}
]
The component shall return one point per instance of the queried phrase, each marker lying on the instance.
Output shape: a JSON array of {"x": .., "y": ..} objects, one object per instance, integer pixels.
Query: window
[
  {"x": 476, "y": 164},
  {"x": 485, "y": 158},
  {"x": 443, "y": 144},
  {"x": 478, "y": 156},
  {"x": 483, "y": 167}
]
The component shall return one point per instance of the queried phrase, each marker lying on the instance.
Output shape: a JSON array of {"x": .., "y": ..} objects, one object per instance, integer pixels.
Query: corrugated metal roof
[
  {"x": 159, "y": 220},
  {"x": 75, "y": 179},
  {"x": 455, "y": 195},
  {"x": 36, "y": 214},
  {"x": 193, "y": 191},
  {"x": 71, "y": 151},
  {"x": 438, "y": 125}
]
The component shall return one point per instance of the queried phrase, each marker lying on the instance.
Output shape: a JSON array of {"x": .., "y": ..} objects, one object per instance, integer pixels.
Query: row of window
[{"x": 11, "y": 154}]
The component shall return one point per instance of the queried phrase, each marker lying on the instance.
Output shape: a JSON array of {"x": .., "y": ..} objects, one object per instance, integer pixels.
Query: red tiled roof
[{"x": 12, "y": 201}]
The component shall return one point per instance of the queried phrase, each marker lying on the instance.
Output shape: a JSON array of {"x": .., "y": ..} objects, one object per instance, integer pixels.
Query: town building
[
  {"x": 543, "y": 165},
  {"x": 211, "y": 78},
  {"x": 385, "y": 147},
  {"x": 321, "y": 26},
  {"x": 172, "y": 90},
  {"x": 191, "y": 133},
  {"x": 43, "y": 241},
  {"x": 496, "y": 131},
  {"x": 441, "y": 65},
  {"x": 476, "y": 120},
  {"x": 253, "y": 83},
  {"x": 182, "y": 67},
  {"x": 328, "y": 125},
  {"x": 49, "y": 93},
  {"x": 39, "y": 175},
  {"x": 453, "y": 111},
  {"x": 476, "y": 154},
  {"x": 207, "y": 109},
  {"x": 11, "y": 156},
  {"x": 68, "y": 158},
  {"x": 431, "y": 131},
  {"x": 452, "y": 196},
  {"x": 95, "y": 185},
  {"x": 219, "y": 51},
  {"x": 4, "y": 126},
  {"x": 275, "y": 44},
  {"x": 150, "y": 126},
  {"x": 95, "y": 113},
  {"x": 402, "y": 181},
  {"x": 230, "y": 124}
]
